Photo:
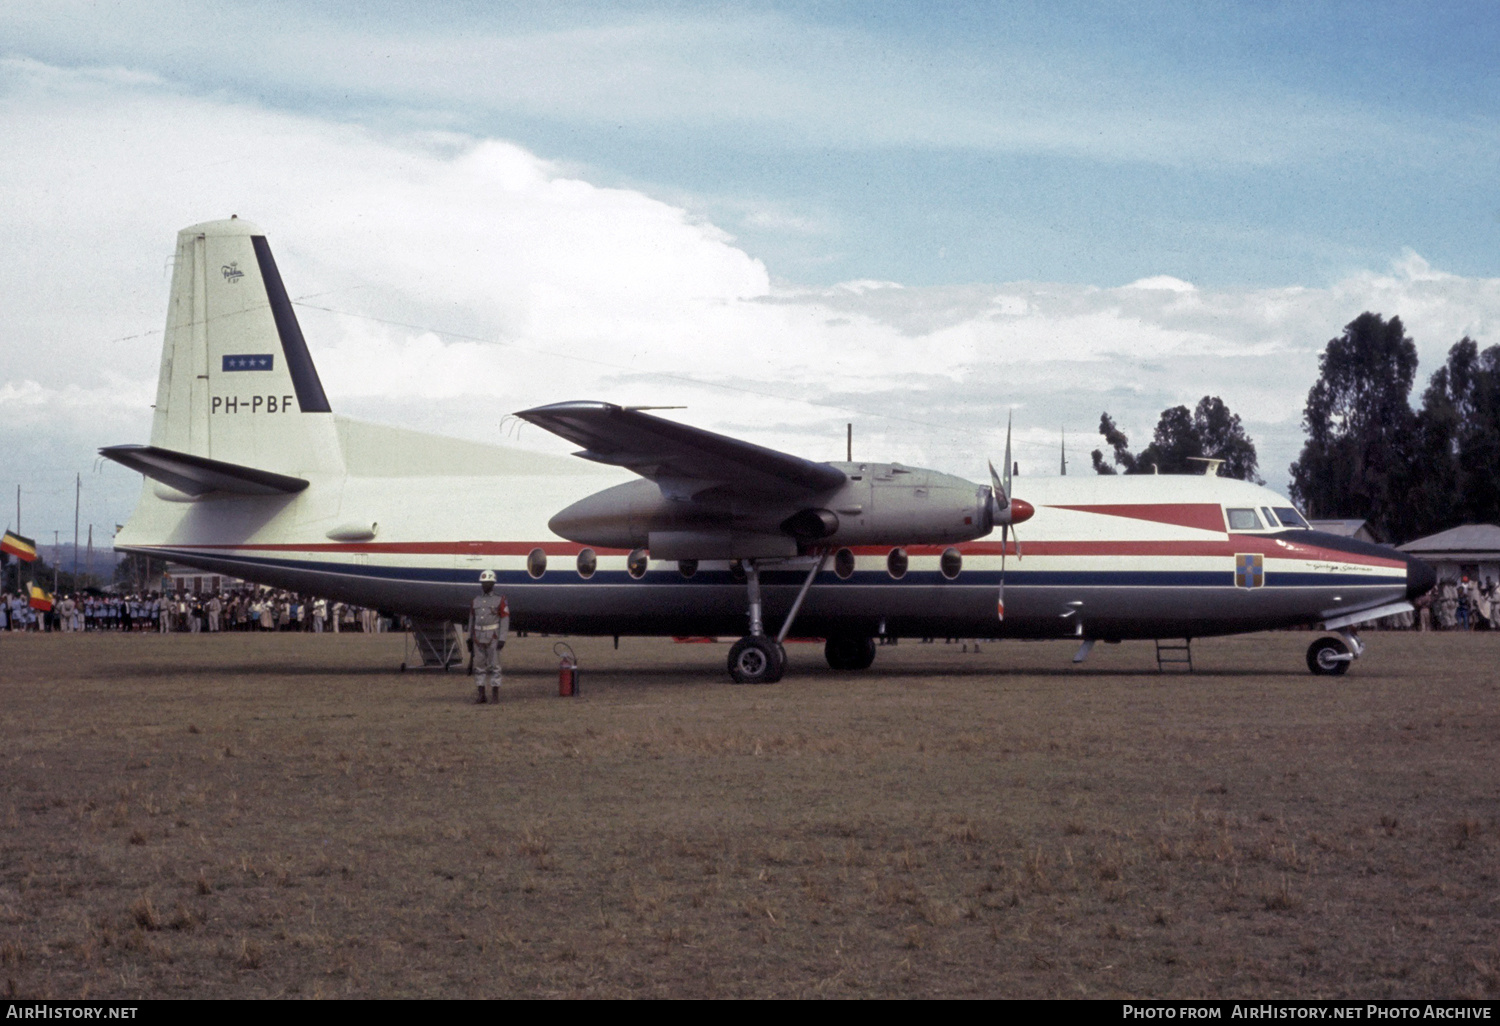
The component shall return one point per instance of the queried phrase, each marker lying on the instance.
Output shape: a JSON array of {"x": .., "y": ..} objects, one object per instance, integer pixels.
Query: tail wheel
[
  {"x": 756, "y": 660},
  {"x": 1328, "y": 657}
]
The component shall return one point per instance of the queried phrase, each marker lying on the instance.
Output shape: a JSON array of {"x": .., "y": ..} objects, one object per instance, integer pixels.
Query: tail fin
[{"x": 237, "y": 383}]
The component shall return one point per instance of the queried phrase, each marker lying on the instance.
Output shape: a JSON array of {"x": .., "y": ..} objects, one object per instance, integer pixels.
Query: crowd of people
[
  {"x": 248, "y": 609},
  {"x": 1461, "y": 605}
]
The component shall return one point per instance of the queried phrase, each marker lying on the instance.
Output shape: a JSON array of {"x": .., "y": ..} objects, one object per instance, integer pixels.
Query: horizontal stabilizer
[{"x": 199, "y": 475}]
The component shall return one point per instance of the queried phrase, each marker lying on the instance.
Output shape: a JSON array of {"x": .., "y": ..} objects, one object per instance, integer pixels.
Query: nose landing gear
[{"x": 1332, "y": 656}]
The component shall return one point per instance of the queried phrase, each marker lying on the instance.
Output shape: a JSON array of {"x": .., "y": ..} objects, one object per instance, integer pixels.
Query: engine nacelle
[
  {"x": 891, "y": 504},
  {"x": 878, "y": 504}
]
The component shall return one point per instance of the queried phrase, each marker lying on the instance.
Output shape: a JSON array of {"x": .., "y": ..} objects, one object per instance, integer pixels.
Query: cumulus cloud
[{"x": 449, "y": 280}]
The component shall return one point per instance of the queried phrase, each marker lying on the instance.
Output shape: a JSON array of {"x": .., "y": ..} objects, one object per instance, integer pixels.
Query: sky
[{"x": 919, "y": 219}]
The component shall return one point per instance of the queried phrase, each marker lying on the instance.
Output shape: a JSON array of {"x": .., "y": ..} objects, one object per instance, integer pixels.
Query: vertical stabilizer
[{"x": 237, "y": 382}]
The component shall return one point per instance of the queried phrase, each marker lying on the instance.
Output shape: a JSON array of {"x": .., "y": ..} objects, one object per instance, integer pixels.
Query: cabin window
[
  {"x": 951, "y": 563},
  {"x": 895, "y": 563},
  {"x": 635, "y": 564},
  {"x": 536, "y": 563},
  {"x": 1290, "y": 517},
  {"x": 588, "y": 562},
  {"x": 687, "y": 567},
  {"x": 843, "y": 564},
  {"x": 1243, "y": 520}
]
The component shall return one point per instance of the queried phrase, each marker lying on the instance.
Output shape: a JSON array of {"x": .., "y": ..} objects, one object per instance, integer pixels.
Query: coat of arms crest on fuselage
[{"x": 1249, "y": 570}]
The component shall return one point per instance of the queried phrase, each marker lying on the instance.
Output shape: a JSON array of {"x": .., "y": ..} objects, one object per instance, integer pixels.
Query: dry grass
[{"x": 230, "y": 816}]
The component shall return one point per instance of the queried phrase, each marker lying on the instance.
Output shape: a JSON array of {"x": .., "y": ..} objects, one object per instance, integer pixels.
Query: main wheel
[
  {"x": 1328, "y": 656},
  {"x": 756, "y": 660},
  {"x": 849, "y": 652}
]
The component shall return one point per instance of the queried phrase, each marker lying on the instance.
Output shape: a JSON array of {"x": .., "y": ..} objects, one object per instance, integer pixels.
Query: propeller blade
[
  {"x": 1002, "y": 497},
  {"x": 1000, "y": 603},
  {"x": 1009, "y": 466},
  {"x": 1007, "y": 510}
]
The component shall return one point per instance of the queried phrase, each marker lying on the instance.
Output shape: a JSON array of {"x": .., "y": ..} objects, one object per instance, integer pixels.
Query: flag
[
  {"x": 40, "y": 599},
  {"x": 23, "y": 549}
]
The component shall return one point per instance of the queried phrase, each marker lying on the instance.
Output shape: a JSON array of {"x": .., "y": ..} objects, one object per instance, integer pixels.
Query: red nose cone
[{"x": 1021, "y": 511}]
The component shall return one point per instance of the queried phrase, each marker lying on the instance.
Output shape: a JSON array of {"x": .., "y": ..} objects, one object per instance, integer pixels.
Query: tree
[
  {"x": 1459, "y": 454},
  {"x": 1115, "y": 439},
  {"x": 1361, "y": 430},
  {"x": 1210, "y": 430}
]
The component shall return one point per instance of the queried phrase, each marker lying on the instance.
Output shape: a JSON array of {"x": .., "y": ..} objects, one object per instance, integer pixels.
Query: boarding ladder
[
  {"x": 432, "y": 646},
  {"x": 1174, "y": 653}
]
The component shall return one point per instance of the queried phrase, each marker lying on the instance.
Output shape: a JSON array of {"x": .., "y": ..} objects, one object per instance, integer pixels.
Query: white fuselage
[{"x": 1103, "y": 557}]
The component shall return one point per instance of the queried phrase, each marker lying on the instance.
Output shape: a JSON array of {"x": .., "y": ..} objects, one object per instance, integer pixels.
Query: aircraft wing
[{"x": 685, "y": 462}]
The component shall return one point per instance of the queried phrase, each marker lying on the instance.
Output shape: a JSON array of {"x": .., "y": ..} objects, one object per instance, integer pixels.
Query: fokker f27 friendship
[{"x": 250, "y": 473}]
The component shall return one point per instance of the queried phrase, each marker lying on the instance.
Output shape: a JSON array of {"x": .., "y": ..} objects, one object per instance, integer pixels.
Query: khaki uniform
[{"x": 489, "y": 623}]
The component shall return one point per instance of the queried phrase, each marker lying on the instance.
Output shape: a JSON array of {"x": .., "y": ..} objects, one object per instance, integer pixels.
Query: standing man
[{"x": 489, "y": 623}]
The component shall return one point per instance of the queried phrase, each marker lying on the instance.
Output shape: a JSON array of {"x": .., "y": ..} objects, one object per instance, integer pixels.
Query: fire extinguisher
[{"x": 567, "y": 670}]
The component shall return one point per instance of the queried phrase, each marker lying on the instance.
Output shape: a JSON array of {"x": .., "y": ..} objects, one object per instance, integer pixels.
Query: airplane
[{"x": 670, "y": 530}]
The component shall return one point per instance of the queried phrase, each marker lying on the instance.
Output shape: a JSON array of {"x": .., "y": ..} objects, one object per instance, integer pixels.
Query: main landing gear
[
  {"x": 758, "y": 658},
  {"x": 1332, "y": 656},
  {"x": 849, "y": 652}
]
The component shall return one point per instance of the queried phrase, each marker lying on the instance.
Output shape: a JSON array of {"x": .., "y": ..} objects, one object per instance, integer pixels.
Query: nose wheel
[{"x": 1328, "y": 657}]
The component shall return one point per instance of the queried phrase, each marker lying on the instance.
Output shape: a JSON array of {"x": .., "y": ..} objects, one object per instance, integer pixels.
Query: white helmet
[{"x": 488, "y": 577}]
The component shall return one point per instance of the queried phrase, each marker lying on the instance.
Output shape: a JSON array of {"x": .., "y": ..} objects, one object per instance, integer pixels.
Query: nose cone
[
  {"x": 1420, "y": 578},
  {"x": 1021, "y": 511}
]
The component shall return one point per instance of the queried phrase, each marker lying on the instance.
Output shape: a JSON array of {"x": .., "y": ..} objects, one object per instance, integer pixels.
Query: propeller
[{"x": 1008, "y": 511}]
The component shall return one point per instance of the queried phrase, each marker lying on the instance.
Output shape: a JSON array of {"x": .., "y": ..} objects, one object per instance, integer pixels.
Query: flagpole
[
  {"x": 77, "y": 497},
  {"x": 91, "y": 553}
]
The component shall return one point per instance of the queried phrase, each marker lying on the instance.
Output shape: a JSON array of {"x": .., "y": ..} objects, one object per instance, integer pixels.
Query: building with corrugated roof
[
  {"x": 1361, "y": 529},
  {"x": 1472, "y": 550}
]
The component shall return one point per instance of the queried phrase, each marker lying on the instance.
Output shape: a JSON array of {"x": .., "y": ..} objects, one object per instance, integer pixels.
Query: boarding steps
[
  {"x": 432, "y": 646},
  {"x": 1174, "y": 653}
]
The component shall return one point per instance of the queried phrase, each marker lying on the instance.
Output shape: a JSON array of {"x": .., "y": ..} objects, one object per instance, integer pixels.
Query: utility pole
[
  {"x": 56, "y": 558},
  {"x": 91, "y": 553},
  {"x": 77, "y": 496},
  {"x": 1064, "y": 435},
  {"x": 849, "y": 443}
]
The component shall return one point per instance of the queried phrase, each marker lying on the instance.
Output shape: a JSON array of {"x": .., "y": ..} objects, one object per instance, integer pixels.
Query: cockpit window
[
  {"x": 1265, "y": 511},
  {"x": 1243, "y": 520},
  {"x": 1291, "y": 518}
]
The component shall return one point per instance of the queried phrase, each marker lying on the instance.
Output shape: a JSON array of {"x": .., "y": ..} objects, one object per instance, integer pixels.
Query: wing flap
[
  {"x": 665, "y": 451},
  {"x": 199, "y": 475}
]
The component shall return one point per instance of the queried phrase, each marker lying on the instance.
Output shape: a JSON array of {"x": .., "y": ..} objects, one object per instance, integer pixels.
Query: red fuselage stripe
[{"x": 1205, "y": 516}]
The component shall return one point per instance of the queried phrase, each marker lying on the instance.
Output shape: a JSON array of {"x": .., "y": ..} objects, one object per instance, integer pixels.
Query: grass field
[{"x": 239, "y": 816}]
